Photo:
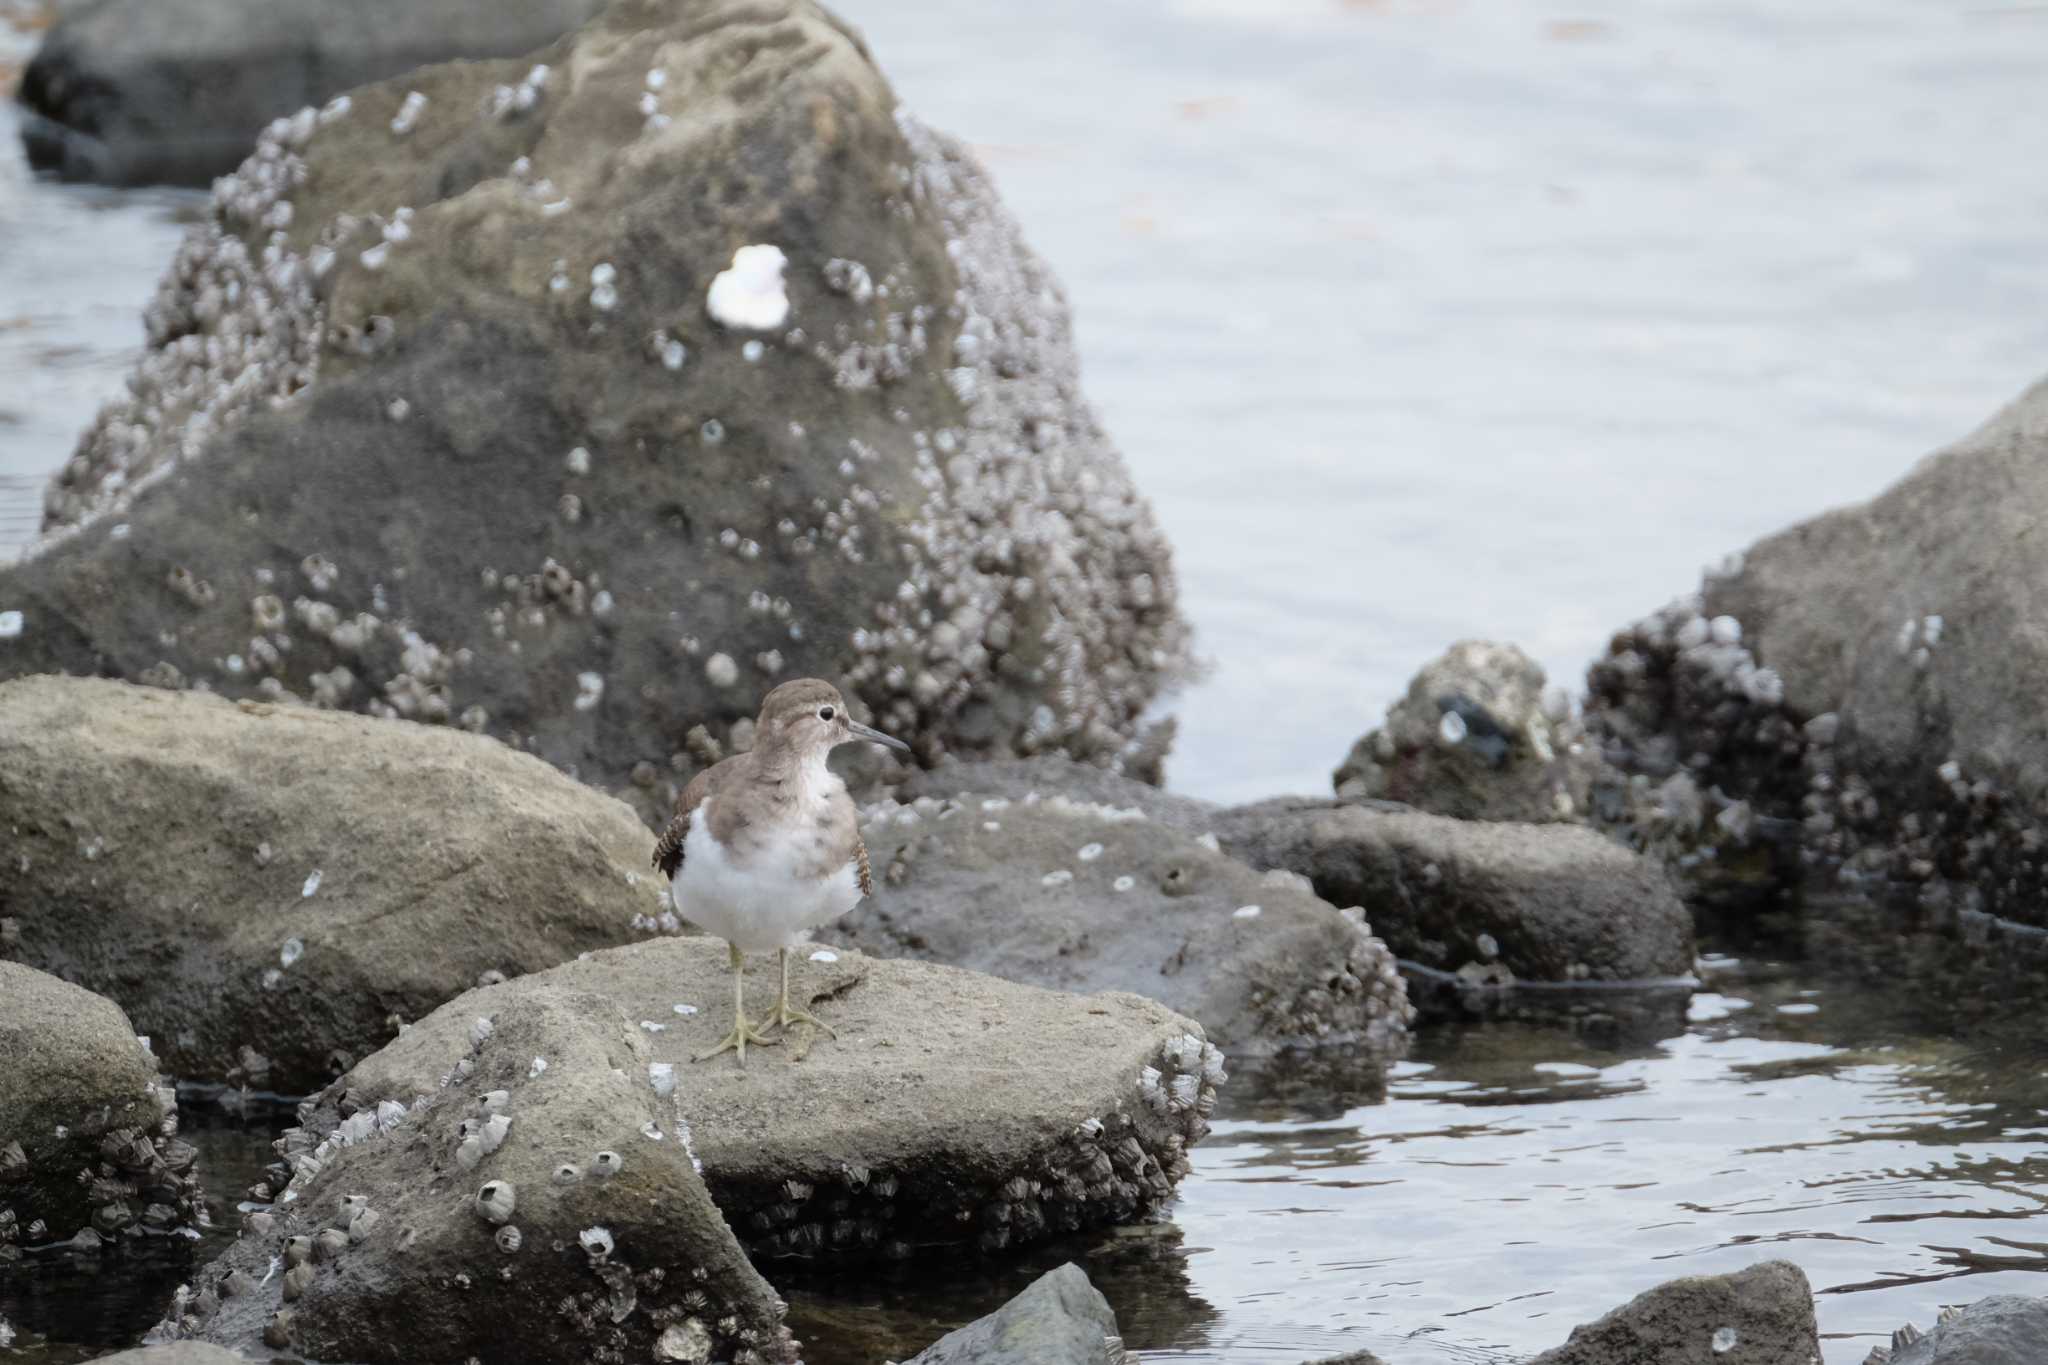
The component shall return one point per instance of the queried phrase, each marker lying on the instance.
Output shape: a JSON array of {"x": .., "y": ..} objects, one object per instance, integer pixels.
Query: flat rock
[
  {"x": 2003, "y": 1329},
  {"x": 174, "y": 1353},
  {"x": 1085, "y": 897},
  {"x": 80, "y": 1092},
  {"x": 262, "y": 887},
  {"x": 1061, "y": 1319},
  {"x": 131, "y": 92},
  {"x": 456, "y": 407},
  {"x": 1759, "y": 1316}
]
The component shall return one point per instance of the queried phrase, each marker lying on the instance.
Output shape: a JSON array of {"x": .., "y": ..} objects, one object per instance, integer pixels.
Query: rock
[
  {"x": 1475, "y": 905},
  {"x": 604, "y": 1266},
  {"x": 1478, "y": 736},
  {"x": 1060, "y": 1320},
  {"x": 1084, "y": 897},
  {"x": 79, "y": 1092},
  {"x": 262, "y": 887},
  {"x": 1759, "y": 1316},
  {"x": 173, "y": 1353},
  {"x": 954, "y": 1113},
  {"x": 1021, "y": 779},
  {"x": 444, "y": 423},
  {"x": 2003, "y": 1329},
  {"x": 131, "y": 92}
]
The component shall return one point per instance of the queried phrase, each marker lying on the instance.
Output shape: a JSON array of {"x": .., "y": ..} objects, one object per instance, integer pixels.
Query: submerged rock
[
  {"x": 1060, "y": 1320},
  {"x": 1478, "y": 736},
  {"x": 2002, "y": 1329},
  {"x": 88, "y": 1131},
  {"x": 131, "y": 92},
  {"x": 582, "y": 398},
  {"x": 264, "y": 887},
  {"x": 1081, "y": 896},
  {"x": 1759, "y": 1316}
]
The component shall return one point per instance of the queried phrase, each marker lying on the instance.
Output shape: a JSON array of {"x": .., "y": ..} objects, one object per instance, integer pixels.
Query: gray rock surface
[
  {"x": 1478, "y": 736},
  {"x": 80, "y": 1093},
  {"x": 174, "y": 1353},
  {"x": 2004, "y": 1329},
  {"x": 1759, "y": 1316},
  {"x": 262, "y": 887},
  {"x": 1548, "y": 902},
  {"x": 441, "y": 423},
  {"x": 1060, "y": 1320},
  {"x": 130, "y": 92},
  {"x": 1080, "y": 896}
]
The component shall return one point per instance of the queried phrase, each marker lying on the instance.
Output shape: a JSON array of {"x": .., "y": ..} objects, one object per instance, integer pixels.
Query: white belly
[{"x": 764, "y": 905}]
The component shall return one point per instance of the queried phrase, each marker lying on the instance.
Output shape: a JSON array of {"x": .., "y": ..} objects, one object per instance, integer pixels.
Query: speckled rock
[
  {"x": 517, "y": 1195},
  {"x": 1759, "y": 1316},
  {"x": 130, "y": 92},
  {"x": 2003, "y": 1329},
  {"x": 263, "y": 887},
  {"x": 1478, "y": 736},
  {"x": 1081, "y": 896},
  {"x": 1060, "y": 1320},
  {"x": 88, "y": 1143},
  {"x": 1849, "y": 704},
  {"x": 464, "y": 405},
  {"x": 1481, "y": 903},
  {"x": 174, "y": 1353}
]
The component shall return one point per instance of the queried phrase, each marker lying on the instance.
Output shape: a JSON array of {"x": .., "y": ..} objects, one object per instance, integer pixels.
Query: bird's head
[{"x": 809, "y": 716}]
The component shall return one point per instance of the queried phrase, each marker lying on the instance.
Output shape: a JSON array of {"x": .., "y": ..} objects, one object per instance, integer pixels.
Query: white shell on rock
[{"x": 749, "y": 295}]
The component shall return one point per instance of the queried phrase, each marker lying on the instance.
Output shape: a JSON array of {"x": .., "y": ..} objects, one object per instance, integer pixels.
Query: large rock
[
  {"x": 484, "y": 420},
  {"x": 1081, "y": 896},
  {"x": 80, "y": 1095},
  {"x": 1852, "y": 697},
  {"x": 1759, "y": 1316},
  {"x": 262, "y": 887},
  {"x": 1478, "y": 736},
  {"x": 1481, "y": 905},
  {"x": 131, "y": 92},
  {"x": 2004, "y": 1329},
  {"x": 1060, "y": 1320},
  {"x": 174, "y": 1353}
]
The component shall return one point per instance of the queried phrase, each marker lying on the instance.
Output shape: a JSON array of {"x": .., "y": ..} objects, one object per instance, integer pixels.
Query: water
[{"x": 1422, "y": 319}]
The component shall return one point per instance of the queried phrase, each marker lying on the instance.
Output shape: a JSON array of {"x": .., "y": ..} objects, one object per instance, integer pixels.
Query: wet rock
[
  {"x": 87, "y": 1128},
  {"x": 174, "y": 1353},
  {"x": 2003, "y": 1329},
  {"x": 602, "y": 1270},
  {"x": 110, "y": 95},
  {"x": 1060, "y": 1319},
  {"x": 1759, "y": 1316},
  {"x": 1479, "y": 905},
  {"x": 1480, "y": 737},
  {"x": 446, "y": 414},
  {"x": 1080, "y": 896},
  {"x": 260, "y": 886}
]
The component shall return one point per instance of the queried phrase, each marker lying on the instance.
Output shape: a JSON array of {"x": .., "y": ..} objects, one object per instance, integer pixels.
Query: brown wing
[
  {"x": 668, "y": 851},
  {"x": 860, "y": 863}
]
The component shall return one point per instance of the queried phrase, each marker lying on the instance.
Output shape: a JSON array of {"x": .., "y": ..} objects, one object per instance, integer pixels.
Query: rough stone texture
[
  {"x": 1087, "y": 897},
  {"x": 131, "y": 92},
  {"x": 80, "y": 1097},
  {"x": 174, "y": 1353},
  {"x": 1768, "y": 1307},
  {"x": 159, "y": 848},
  {"x": 401, "y": 1210},
  {"x": 1057, "y": 775},
  {"x": 1060, "y": 1320},
  {"x": 1480, "y": 737},
  {"x": 2004, "y": 1329},
  {"x": 438, "y": 424}
]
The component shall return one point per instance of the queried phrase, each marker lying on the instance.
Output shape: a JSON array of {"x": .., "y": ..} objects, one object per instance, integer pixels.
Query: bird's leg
[
  {"x": 784, "y": 1014},
  {"x": 742, "y": 1032}
]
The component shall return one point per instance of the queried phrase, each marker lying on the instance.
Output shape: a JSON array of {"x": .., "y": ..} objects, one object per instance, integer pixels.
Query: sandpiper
[{"x": 765, "y": 845}]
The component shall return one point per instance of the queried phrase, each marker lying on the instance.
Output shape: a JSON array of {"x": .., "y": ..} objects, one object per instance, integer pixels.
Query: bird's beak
[{"x": 860, "y": 731}]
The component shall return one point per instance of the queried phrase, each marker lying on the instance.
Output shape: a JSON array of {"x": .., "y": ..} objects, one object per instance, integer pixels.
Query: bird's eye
[{"x": 824, "y": 713}]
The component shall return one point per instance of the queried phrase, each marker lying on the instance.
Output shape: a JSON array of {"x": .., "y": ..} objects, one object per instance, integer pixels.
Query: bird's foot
[
  {"x": 737, "y": 1040},
  {"x": 784, "y": 1014}
]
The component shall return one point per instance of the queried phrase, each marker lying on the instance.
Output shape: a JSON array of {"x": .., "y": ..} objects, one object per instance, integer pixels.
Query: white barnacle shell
[
  {"x": 567, "y": 1173},
  {"x": 749, "y": 294},
  {"x": 597, "y": 1242},
  {"x": 480, "y": 1031},
  {"x": 662, "y": 1076},
  {"x": 605, "y": 1165},
  {"x": 493, "y": 1135},
  {"x": 509, "y": 1239},
  {"x": 495, "y": 1201},
  {"x": 491, "y": 1101}
]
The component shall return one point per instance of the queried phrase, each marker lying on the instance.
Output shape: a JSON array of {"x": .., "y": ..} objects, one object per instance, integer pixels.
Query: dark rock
[
  {"x": 406, "y": 437},
  {"x": 259, "y": 885},
  {"x": 1060, "y": 1320},
  {"x": 2004, "y": 1329},
  {"x": 79, "y": 1092},
  {"x": 131, "y": 92},
  {"x": 1759, "y": 1316},
  {"x": 1080, "y": 896}
]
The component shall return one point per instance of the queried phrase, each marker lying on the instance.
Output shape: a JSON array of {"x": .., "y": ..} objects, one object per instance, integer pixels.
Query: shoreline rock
[
  {"x": 1061, "y": 1319},
  {"x": 1759, "y": 1316}
]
